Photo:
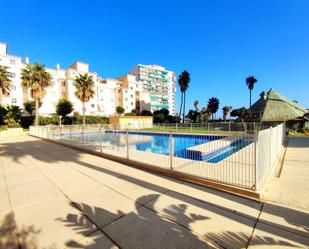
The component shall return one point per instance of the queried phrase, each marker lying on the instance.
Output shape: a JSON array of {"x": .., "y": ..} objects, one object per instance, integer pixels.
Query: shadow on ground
[{"x": 51, "y": 153}]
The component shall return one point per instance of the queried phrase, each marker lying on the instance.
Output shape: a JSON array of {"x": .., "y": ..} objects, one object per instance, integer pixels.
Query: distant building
[
  {"x": 160, "y": 83},
  {"x": 147, "y": 87}
]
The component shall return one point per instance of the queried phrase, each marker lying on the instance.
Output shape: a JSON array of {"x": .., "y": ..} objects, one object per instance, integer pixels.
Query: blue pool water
[{"x": 161, "y": 144}]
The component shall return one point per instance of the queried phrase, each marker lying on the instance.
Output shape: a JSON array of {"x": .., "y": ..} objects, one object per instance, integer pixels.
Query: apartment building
[
  {"x": 131, "y": 95},
  {"x": 146, "y": 87},
  {"x": 62, "y": 86},
  {"x": 160, "y": 83}
]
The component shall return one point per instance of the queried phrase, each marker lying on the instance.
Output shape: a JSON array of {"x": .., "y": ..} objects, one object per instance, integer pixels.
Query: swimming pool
[{"x": 160, "y": 143}]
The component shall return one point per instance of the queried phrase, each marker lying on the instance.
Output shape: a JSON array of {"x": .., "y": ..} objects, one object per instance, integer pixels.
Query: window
[
  {"x": 131, "y": 88},
  {"x": 126, "y": 91},
  {"x": 126, "y": 99},
  {"x": 131, "y": 103},
  {"x": 14, "y": 101},
  {"x": 92, "y": 105},
  {"x": 13, "y": 75},
  {"x": 131, "y": 95},
  {"x": 13, "y": 88},
  {"x": 13, "y": 62},
  {"x": 101, "y": 99}
]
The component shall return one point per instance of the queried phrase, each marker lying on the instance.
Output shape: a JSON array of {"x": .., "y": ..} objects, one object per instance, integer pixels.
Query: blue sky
[{"x": 220, "y": 42}]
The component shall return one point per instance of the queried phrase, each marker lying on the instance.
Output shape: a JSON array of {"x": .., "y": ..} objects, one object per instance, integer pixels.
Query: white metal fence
[{"x": 222, "y": 153}]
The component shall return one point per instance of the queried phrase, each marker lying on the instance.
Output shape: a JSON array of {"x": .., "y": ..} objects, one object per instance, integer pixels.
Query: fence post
[
  {"x": 229, "y": 126},
  {"x": 127, "y": 134},
  {"x": 256, "y": 161},
  {"x": 207, "y": 126},
  {"x": 270, "y": 147},
  {"x": 100, "y": 137},
  {"x": 171, "y": 151},
  {"x": 70, "y": 134},
  {"x": 191, "y": 127},
  {"x": 60, "y": 129}
]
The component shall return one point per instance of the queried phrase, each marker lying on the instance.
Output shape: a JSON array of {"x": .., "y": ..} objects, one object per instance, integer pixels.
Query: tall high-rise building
[{"x": 160, "y": 83}]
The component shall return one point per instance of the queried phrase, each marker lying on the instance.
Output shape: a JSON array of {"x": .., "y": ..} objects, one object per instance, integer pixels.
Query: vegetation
[
  {"x": 250, "y": 81},
  {"x": 146, "y": 113},
  {"x": 183, "y": 82},
  {"x": 226, "y": 110},
  {"x": 29, "y": 106},
  {"x": 5, "y": 82},
  {"x": 132, "y": 113},
  {"x": 160, "y": 116},
  {"x": 213, "y": 106},
  {"x": 64, "y": 107},
  {"x": 36, "y": 78},
  {"x": 3, "y": 113},
  {"x": 120, "y": 110},
  {"x": 243, "y": 114},
  {"x": 84, "y": 85},
  {"x": 12, "y": 118}
]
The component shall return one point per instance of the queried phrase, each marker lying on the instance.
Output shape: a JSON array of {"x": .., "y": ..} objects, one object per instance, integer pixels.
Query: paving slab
[
  {"x": 96, "y": 240},
  {"x": 51, "y": 223},
  {"x": 146, "y": 229},
  {"x": 291, "y": 187},
  {"x": 266, "y": 236},
  {"x": 203, "y": 218},
  {"x": 282, "y": 217}
]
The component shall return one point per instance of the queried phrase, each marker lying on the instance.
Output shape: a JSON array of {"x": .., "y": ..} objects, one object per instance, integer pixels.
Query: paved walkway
[
  {"x": 55, "y": 197},
  {"x": 291, "y": 187}
]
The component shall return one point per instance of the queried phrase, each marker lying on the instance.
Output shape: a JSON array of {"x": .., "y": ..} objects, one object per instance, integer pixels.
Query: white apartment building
[
  {"x": 14, "y": 65},
  {"x": 103, "y": 103},
  {"x": 147, "y": 87},
  {"x": 160, "y": 83},
  {"x": 131, "y": 94}
]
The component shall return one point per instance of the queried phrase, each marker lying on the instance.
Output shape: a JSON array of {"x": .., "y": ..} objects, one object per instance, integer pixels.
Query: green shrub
[
  {"x": 3, "y": 113},
  {"x": 64, "y": 107},
  {"x": 78, "y": 119},
  {"x": 3, "y": 127},
  {"x": 49, "y": 120},
  {"x": 26, "y": 121}
]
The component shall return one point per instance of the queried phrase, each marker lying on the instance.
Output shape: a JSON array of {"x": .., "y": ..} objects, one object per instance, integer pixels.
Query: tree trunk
[
  {"x": 184, "y": 108},
  {"x": 84, "y": 117},
  {"x": 250, "y": 98},
  {"x": 180, "y": 106},
  {"x": 36, "y": 121}
]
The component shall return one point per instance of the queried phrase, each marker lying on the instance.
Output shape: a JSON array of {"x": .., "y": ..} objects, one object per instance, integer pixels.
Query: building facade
[
  {"x": 146, "y": 87},
  {"x": 160, "y": 83}
]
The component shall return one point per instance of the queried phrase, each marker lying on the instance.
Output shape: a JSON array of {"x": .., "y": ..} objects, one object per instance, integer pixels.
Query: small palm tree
[
  {"x": 36, "y": 78},
  {"x": 196, "y": 105},
  {"x": 226, "y": 110},
  {"x": 250, "y": 81},
  {"x": 183, "y": 82},
  {"x": 84, "y": 85},
  {"x": 213, "y": 106},
  {"x": 5, "y": 82}
]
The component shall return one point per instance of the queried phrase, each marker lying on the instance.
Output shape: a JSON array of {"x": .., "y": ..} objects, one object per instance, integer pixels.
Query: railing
[{"x": 221, "y": 152}]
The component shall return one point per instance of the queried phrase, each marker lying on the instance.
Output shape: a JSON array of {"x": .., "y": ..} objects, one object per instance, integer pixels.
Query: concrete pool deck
[{"x": 55, "y": 197}]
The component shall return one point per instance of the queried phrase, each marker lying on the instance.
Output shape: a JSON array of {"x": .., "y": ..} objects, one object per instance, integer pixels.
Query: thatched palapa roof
[{"x": 274, "y": 107}]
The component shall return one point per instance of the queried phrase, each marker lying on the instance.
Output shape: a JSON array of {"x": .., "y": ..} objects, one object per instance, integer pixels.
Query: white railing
[
  {"x": 223, "y": 153},
  {"x": 269, "y": 145}
]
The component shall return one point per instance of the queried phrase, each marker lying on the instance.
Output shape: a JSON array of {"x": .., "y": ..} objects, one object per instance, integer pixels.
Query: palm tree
[
  {"x": 84, "y": 90},
  {"x": 226, "y": 110},
  {"x": 5, "y": 82},
  {"x": 183, "y": 82},
  {"x": 250, "y": 81},
  {"x": 213, "y": 106},
  {"x": 36, "y": 78},
  {"x": 196, "y": 105}
]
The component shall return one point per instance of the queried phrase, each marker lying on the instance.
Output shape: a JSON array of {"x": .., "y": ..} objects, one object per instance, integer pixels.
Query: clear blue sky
[{"x": 219, "y": 42}]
